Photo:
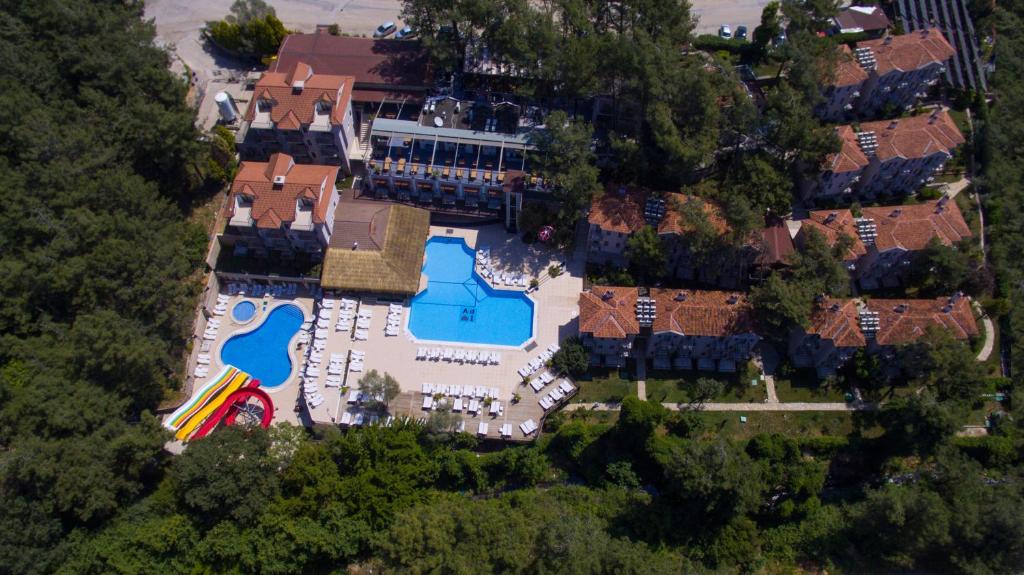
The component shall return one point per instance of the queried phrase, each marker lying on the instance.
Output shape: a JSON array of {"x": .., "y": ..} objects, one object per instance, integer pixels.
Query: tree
[
  {"x": 943, "y": 364},
  {"x": 939, "y": 270},
  {"x": 820, "y": 267},
  {"x": 918, "y": 423},
  {"x": 226, "y": 475},
  {"x": 706, "y": 388},
  {"x": 564, "y": 157},
  {"x": 251, "y": 29},
  {"x": 571, "y": 357},
  {"x": 793, "y": 133},
  {"x": 443, "y": 423},
  {"x": 781, "y": 306},
  {"x": 646, "y": 254},
  {"x": 381, "y": 389},
  {"x": 767, "y": 188},
  {"x": 770, "y": 26}
]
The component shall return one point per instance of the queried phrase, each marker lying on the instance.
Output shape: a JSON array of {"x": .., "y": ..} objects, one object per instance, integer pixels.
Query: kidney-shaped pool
[{"x": 263, "y": 352}]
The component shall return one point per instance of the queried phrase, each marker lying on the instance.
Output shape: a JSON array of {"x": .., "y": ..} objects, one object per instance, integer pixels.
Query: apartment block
[
  {"x": 280, "y": 208},
  {"x": 300, "y": 113},
  {"x": 617, "y": 215},
  {"x": 839, "y": 328},
  {"x": 888, "y": 158},
  {"x": 893, "y": 72},
  {"x": 885, "y": 240},
  {"x": 676, "y": 329}
]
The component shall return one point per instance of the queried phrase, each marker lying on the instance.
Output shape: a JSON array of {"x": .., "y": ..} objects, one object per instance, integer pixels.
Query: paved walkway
[
  {"x": 769, "y": 386},
  {"x": 794, "y": 406},
  {"x": 990, "y": 339},
  {"x": 641, "y": 380}
]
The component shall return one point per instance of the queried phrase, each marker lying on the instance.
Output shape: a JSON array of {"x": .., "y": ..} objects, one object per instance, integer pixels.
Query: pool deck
[
  {"x": 556, "y": 312},
  {"x": 555, "y": 319}
]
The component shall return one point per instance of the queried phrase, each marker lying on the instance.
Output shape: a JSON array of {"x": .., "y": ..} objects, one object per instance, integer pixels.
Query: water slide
[
  {"x": 200, "y": 398},
  {"x": 190, "y": 416},
  {"x": 230, "y": 408}
]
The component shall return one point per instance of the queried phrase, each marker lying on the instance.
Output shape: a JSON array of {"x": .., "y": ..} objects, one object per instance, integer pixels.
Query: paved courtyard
[{"x": 555, "y": 304}]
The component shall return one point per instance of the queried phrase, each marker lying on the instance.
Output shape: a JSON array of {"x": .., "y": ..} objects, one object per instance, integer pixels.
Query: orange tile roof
[
  {"x": 837, "y": 320},
  {"x": 624, "y": 213},
  {"x": 832, "y": 224},
  {"x": 848, "y": 71},
  {"x": 903, "y": 321},
  {"x": 915, "y": 137},
  {"x": 850, "y": 157},
  {"x": 909, "y": 52},
  {"x": 912, "y": 227},
  {"x": 290, "y": 107},
  {"x": 273, "y": 205},
  {"x": 702, "y": 312},
  {"x": 609, "y": 312}
]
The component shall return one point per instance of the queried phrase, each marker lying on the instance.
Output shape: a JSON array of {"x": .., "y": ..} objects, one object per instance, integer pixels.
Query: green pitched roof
[{"x": 394, "y": 268}]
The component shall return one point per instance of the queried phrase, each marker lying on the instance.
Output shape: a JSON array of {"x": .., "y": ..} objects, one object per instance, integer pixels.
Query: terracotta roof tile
[
  {"x": 837, "y": 320},
  {"x": 275, "y": 204},
  {"x": 909, "y": 52},
  {"x": 291, "y": 107},
  {"x": 915, "y": 137},
  {"x": 777, "y": 245},
  {"x": 380, "y": 68},
  {"x": 903, "y": 321},
  {"x": 624, "y": 213},
  {"x": 912, "y": 227},
  {"x": 702, "y": 312},
  {"x": 848, "y": 71},
  {"x": 609, "y": 312},
  {"x": 850, "y": 157},
  {"x": 832, "y": 224},
  {"x": 862, "y": 18}
]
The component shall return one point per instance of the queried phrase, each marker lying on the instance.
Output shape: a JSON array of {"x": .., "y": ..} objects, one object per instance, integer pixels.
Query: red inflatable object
[{"x": 228, "y": 411}]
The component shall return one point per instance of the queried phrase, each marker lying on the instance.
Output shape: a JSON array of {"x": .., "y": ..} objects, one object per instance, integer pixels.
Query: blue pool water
[
  {"x": 458, "y": 305},
  {"x": 243, "y": 311},
  {"x": 263, "y": 352}
]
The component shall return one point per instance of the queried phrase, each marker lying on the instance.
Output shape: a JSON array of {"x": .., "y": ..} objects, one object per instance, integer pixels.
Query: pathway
[
  {"x": 641, "y": 379},
  {"x": 769, "y": 386},
  {"x": 990, "y": 336},
  {"x": 793, "y": 406}
]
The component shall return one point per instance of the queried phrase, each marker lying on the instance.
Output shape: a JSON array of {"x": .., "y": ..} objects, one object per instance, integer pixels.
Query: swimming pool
[
  {"x": 243, "y": 311},
  {"x": 263, "y": 352},
  {"x": 459, "y": 306}
]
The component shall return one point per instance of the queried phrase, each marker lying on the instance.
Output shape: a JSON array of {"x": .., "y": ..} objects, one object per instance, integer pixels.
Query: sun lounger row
[
  {"x": 482, "y": 357},
  {"x": 210, "y": 333},
  {"x": 541, "y": 380},
  {"x": 539, "y": 361},
  {"x": 359, "y": 418},
  {"x": 394, "y": 320},
  {"x": 355, "y": 363},
  {"x": 456, "y": 390},
  {"x": 258, "y": 290},
  {"x": 556, "y": 395},
  {"x": 528, "y": 427}
]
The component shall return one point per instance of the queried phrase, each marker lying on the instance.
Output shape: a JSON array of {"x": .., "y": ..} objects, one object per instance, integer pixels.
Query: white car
[
  {"x": 725, "y": 32},
  {"x": 405, "y": 32},
  {"x": 385, "y": 29}
]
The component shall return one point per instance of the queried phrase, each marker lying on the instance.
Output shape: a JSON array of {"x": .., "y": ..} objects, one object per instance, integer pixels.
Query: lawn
[
  {"x": 605, "y": 386},
  {"x": 792, "y": 423},
  {"x": 677, "y": 386},
  {"x": 803, "y": 385}
]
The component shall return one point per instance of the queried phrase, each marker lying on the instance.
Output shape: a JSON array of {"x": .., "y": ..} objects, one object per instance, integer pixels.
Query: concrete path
[
  {"x": 769, "y": 386},
  {"x": 990, "y": 339},
  {"x": 794, "y": 406},
  {"x": 641, "y": 379}
]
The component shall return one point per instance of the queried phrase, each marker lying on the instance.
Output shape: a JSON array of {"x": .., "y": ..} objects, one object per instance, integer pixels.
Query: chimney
[
  {"x": 893, "y": 124},
  {"x": 831, "y": 217},
  {"x": 834, "y": 308},
  {"x": 608, "y": 294},
  {"x": 896, "y": 213},
  {"x": 900, "y": 308},
  {"x": 279, "y": 181},
  {"x": 888, "y": 40},
  {"x": 681, "y": 296},
  {"x": 733, "y": 299}
]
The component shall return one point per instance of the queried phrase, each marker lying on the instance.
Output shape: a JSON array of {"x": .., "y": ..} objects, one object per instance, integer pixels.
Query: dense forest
[{"x": 99, "y": 270}]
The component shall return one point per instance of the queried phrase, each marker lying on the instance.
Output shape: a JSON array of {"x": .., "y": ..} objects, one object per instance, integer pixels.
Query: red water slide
[{"x": 228, "y": 411}]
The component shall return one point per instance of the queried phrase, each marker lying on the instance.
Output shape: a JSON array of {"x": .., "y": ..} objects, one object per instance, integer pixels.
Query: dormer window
[
  {"x": 243, "y": 200},
  {"x": 323, "y": 107},
  {"x": 263, "y": 106}
]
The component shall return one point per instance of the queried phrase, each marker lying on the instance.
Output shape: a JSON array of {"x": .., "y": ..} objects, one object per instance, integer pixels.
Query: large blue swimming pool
[
  {"x": 458, "y": 305},
  {"x": 263, "y": 352}
]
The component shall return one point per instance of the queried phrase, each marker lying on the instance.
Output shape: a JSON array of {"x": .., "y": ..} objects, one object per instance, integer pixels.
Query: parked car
[
  {"x": 779, "y": 39},
  {"x": 385, "y": 29},
  {"x": 725, "y": 32},
  {"x": 405, "y": 32},
  {"x": 741, "y": 32}
]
